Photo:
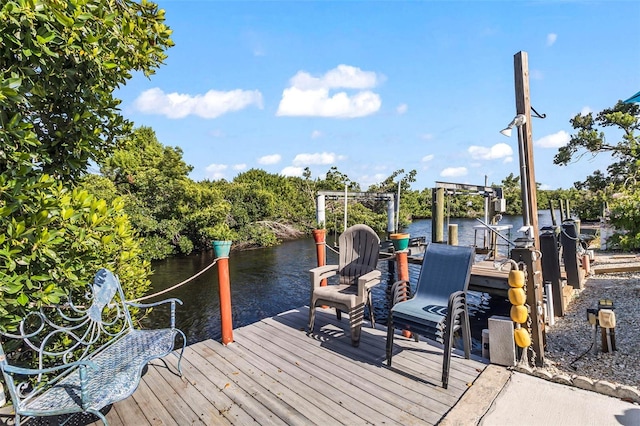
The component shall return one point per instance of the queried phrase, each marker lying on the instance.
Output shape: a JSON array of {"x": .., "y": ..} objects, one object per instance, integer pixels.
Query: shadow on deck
[{"x": 274, "y": 373}]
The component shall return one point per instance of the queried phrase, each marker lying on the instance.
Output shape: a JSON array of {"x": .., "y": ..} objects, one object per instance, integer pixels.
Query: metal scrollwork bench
[{"x": 86, "y": 359}]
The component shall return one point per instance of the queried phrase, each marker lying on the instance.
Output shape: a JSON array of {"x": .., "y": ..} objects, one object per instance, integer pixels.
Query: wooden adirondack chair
[{"x": 359, "y": 250}]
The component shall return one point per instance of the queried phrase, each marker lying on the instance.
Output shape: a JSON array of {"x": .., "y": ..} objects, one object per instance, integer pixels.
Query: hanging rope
[{"x": 166, "y": 290}]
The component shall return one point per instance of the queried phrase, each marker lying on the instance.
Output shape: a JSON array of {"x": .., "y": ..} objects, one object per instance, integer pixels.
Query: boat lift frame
[{"x": 390, "y": 198}]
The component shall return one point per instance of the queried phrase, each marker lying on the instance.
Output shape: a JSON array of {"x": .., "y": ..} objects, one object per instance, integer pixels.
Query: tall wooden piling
[
  {"x": 437, "y": 215},
  {"x": 523, "y": 106}
]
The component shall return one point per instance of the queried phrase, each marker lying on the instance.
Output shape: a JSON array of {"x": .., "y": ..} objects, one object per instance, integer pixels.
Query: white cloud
[
  {"x": 292, "y": 171},
  {"x": 507, "y": 160},
  {"x": 402, "y": 109},
  {"x": 555, "y": 140},
  {"x": 426, "y": 136},
  {"x": 454, "y": 172},
  {"x": 216, "y": 171},
  {"x": 316, "y": 134},
  {"x": 427, "y": 158},
  {"x": 217, "y": 133},
  {"x": 551, "y": 39},
  {"x": 344, "y": 76},
  {"x": 309, "y": 96},
  {"x": 210, "y": 105},
  {"x": 585, "y": 110},
  {"x": 500, "y": 150},
  {"x": 239, "y": 167},
  {"x": 270, "y": 159},
  {"x": 317, "y": 158}
]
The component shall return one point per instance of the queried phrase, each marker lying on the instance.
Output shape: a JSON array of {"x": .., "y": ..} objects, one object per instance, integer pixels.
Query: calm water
[{"x": 268, "y": 281}]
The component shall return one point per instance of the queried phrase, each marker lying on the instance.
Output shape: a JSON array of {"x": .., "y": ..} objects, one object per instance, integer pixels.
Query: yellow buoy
[
  {"x": 517, "y": 296},
  {"x": 522, "y": 337},
  {"x": 516, "y": 278},
  {"x": 519, "y": 314}
]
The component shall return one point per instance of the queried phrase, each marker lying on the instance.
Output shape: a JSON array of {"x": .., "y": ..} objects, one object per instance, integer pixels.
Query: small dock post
[
  {"x": 453, "y": 234},
  {"x": 221, "y": 249}
]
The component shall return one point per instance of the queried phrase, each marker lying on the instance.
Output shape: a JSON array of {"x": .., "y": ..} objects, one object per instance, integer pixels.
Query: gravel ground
[{"x": 570, "y": 342}]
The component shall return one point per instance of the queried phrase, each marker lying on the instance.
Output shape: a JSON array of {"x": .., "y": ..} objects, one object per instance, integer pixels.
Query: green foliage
[
  {"x": 220, "y": 232},
  {"x": 625, "y": 217},
  {"x": 60, "y": 62},
  {"x": 259, "y": 235},
  {"x": 619, "y": 186},
  {"x": 170, "y": 211},
  {"x": 511, "y": 193},
  {"x": 53, "y": 240},
  {"x": 589, "y": 139}
]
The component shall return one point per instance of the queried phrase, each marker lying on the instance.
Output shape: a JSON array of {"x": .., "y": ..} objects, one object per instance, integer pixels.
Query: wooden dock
[
  {"x": 275, "y": 374},
  {"x": 484, "y": 277}
]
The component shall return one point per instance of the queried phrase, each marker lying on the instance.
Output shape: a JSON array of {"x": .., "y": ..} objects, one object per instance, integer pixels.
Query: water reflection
[{"x": 268, "y": 281}]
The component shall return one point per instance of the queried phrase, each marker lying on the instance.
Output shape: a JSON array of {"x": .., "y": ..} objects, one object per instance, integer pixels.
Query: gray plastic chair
[
  {"x": 359, "y": 251},
  {"x": 439, "y": 307}
]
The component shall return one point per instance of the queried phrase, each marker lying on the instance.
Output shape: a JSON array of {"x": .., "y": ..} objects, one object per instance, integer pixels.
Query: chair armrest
[
  {"x": 322, "y": 272},
  {"x": 173, "y": 302},
  {"x": 369, "y": 279}
]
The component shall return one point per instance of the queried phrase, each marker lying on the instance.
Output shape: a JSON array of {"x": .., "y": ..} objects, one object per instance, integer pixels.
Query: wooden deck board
[
  {"x": 372, "y": 350},
  {"x": 275, "y": 373},
  {"x": 170, "y": 400},
  {"x": 334, "y": 367},
  {"x": 328, "y": 368}
]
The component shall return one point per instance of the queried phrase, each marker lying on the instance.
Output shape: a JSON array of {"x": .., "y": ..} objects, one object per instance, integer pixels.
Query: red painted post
[
  {"x": 221, "y": 249},
  {"x": 319, "y": 237},
  {"x": 402, "y": 259},
  {"x": 225, "y": 300}
]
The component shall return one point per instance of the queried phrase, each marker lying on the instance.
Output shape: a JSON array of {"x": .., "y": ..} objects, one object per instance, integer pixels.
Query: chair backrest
[
  {"x": 359, "y": 251},
  {"x": 445, "y": 270}
]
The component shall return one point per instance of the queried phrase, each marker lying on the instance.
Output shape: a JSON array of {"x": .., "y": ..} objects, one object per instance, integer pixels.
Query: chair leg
[
  {"x": 370, "y": 303},
  {"x": 356, "y": 315},
  {"x": 390, "y": 334},
  {"x": 448, "y": 343},
  {"x": 312, "y": 317},
  {"x": 466, "y": 332},
  {"x": 355, "y": 335}
]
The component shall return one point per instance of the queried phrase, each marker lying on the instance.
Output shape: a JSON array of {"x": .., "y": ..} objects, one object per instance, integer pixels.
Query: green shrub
[{"x": 54, "y": 239}]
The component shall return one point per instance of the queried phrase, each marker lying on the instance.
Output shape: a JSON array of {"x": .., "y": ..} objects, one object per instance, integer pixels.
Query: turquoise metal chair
[{"x": 439, "y": 306}]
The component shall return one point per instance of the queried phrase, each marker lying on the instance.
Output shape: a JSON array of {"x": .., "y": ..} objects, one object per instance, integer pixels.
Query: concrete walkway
[{"x": 502, "y": 397}]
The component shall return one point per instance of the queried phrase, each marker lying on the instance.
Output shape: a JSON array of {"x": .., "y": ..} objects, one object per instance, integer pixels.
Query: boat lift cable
[
  {"x": 331, "y": 248},
  {"x": 496, "y": 232},
  {"x": 166, "y": 290}
]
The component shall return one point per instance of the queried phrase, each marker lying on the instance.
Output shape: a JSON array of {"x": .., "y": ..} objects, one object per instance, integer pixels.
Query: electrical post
[{"x": 529, "y": 255}]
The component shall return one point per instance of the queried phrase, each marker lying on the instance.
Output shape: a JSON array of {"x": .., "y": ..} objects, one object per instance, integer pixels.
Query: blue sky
[{"x": 372, "y": 87}]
